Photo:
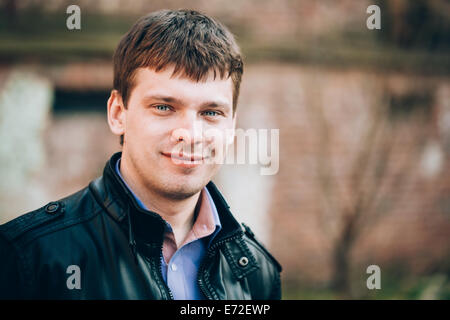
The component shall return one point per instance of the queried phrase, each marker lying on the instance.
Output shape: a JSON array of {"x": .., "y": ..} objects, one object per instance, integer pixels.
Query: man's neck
[{"x": 179, "y": 213}]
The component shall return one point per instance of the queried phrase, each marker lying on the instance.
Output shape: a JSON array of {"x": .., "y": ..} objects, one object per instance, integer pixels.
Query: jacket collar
[{"x": 147, "y": 227}]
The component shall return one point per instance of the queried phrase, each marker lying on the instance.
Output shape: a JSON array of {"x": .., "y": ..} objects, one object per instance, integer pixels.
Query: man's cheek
[{"x": 215, "y": 151}]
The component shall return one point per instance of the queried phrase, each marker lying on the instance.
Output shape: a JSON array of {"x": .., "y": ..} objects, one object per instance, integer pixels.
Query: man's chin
[
  {"x": 180, "y": 192},
  {"x": 181, "y": 187}
]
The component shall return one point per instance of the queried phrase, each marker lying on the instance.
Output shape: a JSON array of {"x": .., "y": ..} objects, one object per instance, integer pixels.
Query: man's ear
[{"x": 116, "y": 113}]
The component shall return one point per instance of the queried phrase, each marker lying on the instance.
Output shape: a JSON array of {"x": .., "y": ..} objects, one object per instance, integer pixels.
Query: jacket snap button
[
  {"x": 243, "y": 261},
  {"x": 52, "y": 207}
]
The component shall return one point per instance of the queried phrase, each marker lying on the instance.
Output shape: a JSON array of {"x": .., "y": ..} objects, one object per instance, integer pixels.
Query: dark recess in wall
[{"x": 79, "y": 101}]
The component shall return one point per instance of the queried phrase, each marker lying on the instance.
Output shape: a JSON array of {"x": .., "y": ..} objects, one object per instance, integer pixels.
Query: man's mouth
[
  {"x": 184, "y": 160},
  {"x": 183, "y": 157}
]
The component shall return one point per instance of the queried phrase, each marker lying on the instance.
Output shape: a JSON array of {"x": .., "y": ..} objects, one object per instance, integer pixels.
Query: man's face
[{"x": 167, "y": 125}]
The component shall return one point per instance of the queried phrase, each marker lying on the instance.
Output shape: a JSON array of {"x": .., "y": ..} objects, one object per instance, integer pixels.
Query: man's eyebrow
[
  {"x": 167, "y": 99},
  {"x": 170, "y": 99},
  {"x": 215, "y": 104}
]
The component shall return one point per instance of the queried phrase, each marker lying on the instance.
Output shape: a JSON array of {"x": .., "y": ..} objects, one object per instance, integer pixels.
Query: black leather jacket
[{"x": 117, "y": 247}]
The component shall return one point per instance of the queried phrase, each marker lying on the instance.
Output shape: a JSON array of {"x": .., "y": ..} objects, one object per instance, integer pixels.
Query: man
[{"x": 153, "y": 226}]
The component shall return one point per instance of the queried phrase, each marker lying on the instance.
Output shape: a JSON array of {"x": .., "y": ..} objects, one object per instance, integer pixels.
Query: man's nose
[{"x": 190, "y": 130}]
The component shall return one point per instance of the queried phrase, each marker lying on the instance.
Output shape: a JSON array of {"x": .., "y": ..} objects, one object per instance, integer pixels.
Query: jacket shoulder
[
  {"x": 251, "y": 239},
  {"x": 49, "y": 218}
]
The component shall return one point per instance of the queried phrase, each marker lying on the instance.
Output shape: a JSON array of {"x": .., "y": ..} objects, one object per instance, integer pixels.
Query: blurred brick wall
[{"x": 414, "y": 213}]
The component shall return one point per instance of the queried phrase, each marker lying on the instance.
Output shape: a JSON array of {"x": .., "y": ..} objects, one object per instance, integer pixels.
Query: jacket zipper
[
  {"x": 209, "y": 254},
  {"x": 159, "y": 268},
  {"x": 132, "y": 243}
]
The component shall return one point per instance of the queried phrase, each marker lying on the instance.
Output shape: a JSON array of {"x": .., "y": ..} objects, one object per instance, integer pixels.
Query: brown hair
[{"x": 190, "y": 41}]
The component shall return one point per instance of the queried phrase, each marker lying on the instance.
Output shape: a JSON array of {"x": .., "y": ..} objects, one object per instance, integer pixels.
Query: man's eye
[
  {"x": 162, "y": 107},
  {"x": 210, "y": 113}
]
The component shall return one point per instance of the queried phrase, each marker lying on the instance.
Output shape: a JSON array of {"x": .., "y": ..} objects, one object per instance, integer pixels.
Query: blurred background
[{"x": 364, "y": 120}]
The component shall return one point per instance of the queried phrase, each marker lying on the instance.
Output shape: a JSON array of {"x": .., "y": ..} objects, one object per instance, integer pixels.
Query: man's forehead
[
  {"x": 169, "y": 73},
  {"x": 164, "y": 83}
]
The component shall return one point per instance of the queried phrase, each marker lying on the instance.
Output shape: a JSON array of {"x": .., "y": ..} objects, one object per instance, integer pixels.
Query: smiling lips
[{"x": 184, "y": 160}]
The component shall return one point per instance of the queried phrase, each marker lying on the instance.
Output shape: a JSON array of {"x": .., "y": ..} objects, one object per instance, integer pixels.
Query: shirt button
[{"x": 173, "y": 267}]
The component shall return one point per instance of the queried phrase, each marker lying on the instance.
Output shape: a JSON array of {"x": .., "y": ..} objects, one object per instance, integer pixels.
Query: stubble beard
[{"x": 174, "y": 188}]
